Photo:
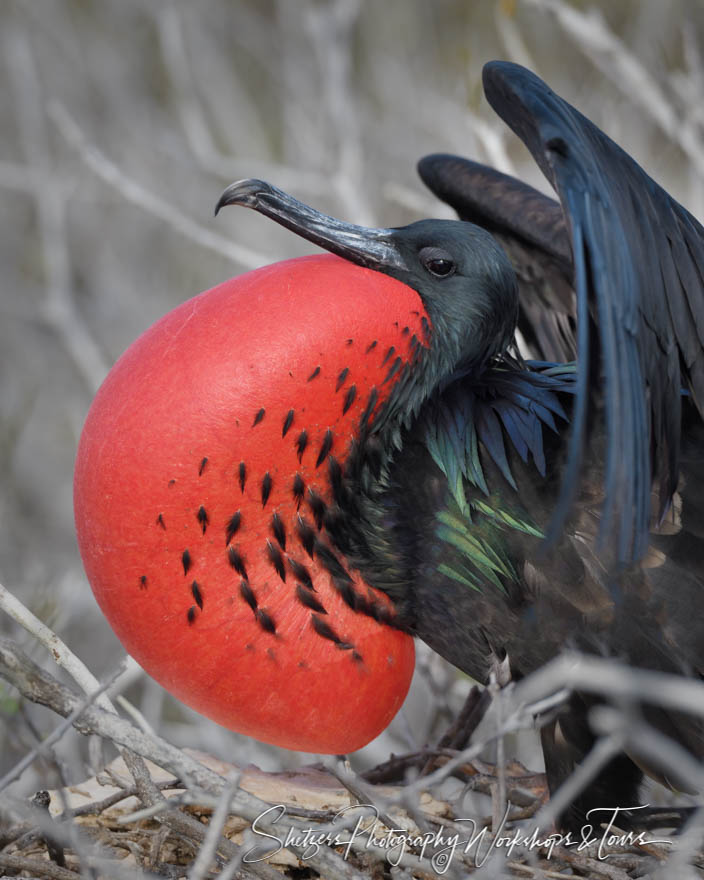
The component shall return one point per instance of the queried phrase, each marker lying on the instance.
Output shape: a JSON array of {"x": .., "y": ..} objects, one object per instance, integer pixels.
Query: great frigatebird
[{"x": 288, "y": 474}]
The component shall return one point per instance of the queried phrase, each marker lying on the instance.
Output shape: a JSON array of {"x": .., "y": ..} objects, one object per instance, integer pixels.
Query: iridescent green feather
[
  {"x": 510, "y": 407},
  {"x": 479, "y": 542}
]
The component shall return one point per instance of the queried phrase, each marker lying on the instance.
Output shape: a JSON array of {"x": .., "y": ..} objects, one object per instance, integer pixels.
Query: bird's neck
[
  {"x": 413, "y": 471},
  {"x": 390, "y": 450}
]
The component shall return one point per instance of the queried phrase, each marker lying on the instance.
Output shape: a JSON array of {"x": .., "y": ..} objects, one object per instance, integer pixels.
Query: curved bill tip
[
  {"x": 373, "y": 248},
  {"x": 243, "y": 192}
]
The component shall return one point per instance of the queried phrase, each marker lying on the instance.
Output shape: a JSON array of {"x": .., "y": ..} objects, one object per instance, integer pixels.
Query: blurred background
[{"x": 122, "y": 122}]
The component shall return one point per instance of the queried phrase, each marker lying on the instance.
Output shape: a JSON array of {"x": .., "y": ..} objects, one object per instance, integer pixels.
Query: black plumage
[
  {"x": 625, "y": 230},
  {"x": 447, "y": 497}
]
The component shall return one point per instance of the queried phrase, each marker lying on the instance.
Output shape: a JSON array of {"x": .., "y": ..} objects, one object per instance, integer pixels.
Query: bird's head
[{"x": 463, "y": 277}]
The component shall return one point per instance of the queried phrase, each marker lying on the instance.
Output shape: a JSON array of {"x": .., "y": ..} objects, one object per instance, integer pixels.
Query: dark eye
[
  {"x": 440, "y": 267},
  {"x": 437, "y": 261}
]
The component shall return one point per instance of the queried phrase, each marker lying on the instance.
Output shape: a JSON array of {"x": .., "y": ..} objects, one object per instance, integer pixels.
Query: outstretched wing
[
  {"x": 532, "y": 230},
  {"x": 638, "y": 269}
]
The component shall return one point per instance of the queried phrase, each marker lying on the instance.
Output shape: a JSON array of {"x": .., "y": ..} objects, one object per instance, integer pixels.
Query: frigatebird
[{"x": 288, "y": 475}]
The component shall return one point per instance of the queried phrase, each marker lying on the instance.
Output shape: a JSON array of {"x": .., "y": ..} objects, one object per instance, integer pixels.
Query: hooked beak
[{"x": 372, "y": 248}]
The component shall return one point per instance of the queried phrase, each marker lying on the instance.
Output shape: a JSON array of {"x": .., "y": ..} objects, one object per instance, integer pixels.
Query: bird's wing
[
  {"x": 638, "y": 269},
  {"x": 532, "y": 230}
]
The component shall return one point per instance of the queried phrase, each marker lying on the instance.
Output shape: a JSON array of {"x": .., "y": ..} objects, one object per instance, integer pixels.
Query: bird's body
[
  {"x": 422, "y": 503},
  {"x": 549, "y": 601}
]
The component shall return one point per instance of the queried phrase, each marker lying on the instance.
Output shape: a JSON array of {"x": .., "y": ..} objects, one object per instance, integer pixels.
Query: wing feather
[
  {"x": 532, "y": 230},
  {"x": 637, "y": 270}
]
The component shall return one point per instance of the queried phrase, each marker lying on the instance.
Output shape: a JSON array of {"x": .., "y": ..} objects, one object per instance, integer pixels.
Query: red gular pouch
[{"x": 202, "y": 480}]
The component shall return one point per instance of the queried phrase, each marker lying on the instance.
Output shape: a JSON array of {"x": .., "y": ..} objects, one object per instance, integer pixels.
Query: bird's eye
[
  {"x": 440, "y": 267},
  {"x": 437, "y": 261}
]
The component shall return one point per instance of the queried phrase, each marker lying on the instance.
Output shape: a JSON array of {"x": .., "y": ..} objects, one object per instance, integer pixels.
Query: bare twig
[
  {"x": 59, "y": 307},
  {"x": 37, "y": 685},
  {"x": 207, "y": 851},
  {"x": 56, "y": 734},
  {"x": 134, "y": 712},
  {"x": 177, "y": 59},
  {"x": 330, "y": 28},
  {"x": 359, "y": 790},
  {"x": 613, "y": 58},
  {"x": 603, "y": 751},
  {"x": 62, "y": 655},
  {"x": 616, "y": 681},
  {"x": 173, "y": 50},
  {"x": 40, "y": 687},
  {"x": 41, "y": 801},
  {"x": 654, "y": 748},
  {"x": 36, "y": 867},
  {"x": 138, "y": 195}
]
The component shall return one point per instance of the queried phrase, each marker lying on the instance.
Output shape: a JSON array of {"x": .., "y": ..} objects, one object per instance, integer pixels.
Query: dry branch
[
  {"x": 142, "y": 198},
  {"x": 210, "y": 792}
]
